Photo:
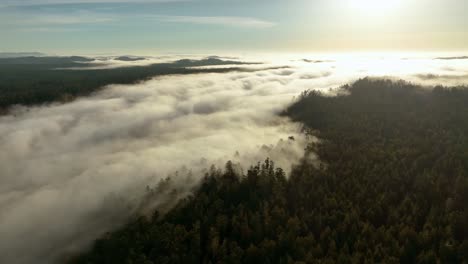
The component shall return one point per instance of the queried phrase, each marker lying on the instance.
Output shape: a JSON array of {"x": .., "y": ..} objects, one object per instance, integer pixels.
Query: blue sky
[{"x": 156, "y": 26}]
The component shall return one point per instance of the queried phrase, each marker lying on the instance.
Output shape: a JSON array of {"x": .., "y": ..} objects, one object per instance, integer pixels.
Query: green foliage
[{"x": 394, "y": 190}]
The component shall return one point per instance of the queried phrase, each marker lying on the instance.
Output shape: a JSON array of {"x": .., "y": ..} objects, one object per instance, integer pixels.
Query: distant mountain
[
  {"x": 210, "y": 61},
  {"x": 453, "y": 58},
  {"x": 129, "y": 58},
  {"x": 32, "y": 60},
  {"x": 20, "y": 54},
  {"x": 51, "y": 79}
]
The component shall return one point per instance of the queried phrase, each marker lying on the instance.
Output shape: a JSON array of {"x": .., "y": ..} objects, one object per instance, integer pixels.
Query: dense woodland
[
  {"x": 393, "y": 188},
  {"x": 39, "y": 80}
]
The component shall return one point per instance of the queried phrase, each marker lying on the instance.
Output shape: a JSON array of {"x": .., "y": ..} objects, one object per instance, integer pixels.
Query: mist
[{"x": 71, "y": 172}]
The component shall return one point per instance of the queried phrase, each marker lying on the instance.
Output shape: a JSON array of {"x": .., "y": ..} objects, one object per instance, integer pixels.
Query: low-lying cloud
[{"x": 71, "y": 172}]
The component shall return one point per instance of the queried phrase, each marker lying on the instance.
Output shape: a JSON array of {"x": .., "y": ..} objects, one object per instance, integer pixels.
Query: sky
[{"x": 195, "y": 26}]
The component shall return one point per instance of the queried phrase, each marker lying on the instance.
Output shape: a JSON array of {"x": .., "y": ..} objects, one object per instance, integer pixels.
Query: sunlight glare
[{"x": 374, "y": 6}]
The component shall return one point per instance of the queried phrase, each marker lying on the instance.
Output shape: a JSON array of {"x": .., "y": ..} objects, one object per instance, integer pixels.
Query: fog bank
[{"x": 73, "y": 171}]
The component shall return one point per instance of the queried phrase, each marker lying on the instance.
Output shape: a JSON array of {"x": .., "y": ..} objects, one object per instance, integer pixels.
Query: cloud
[
  {"x": 71, "y": 22},
  {"x": 74, "y": 171},
  {"x": 68, "y": 20},
  {"x": 34, "y": 22},
  {"x": 49, "y": 29},
  {"x": 59, "y": 2},
  {"x": 45, "y": 20},
  {"x": 218, "y": 20}
]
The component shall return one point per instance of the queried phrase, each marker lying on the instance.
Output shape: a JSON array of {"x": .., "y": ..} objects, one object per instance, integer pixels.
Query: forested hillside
[
  {"x": 39, "y": 80},
  {"x": 392, "y": 188}
]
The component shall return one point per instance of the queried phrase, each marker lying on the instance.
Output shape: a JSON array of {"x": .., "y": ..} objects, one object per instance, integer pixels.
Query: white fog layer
[{"x": 71, "y": 172}]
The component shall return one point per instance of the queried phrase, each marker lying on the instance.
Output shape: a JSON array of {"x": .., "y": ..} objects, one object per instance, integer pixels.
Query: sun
[{"x": 374, "y": 6}]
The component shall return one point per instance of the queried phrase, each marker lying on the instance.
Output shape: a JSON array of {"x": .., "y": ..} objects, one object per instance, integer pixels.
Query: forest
[
  {"x": 41, "y": 80},
  {"x": 391, "y": 187}
]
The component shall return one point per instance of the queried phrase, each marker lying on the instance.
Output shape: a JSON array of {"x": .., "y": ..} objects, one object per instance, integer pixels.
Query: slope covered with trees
[
  {"x": 39, "y": 80},
  {"x": 392, "y": 188}
]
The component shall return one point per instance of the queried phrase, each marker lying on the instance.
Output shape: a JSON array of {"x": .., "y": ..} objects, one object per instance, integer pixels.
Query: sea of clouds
[{"x": 71, "y": 172}]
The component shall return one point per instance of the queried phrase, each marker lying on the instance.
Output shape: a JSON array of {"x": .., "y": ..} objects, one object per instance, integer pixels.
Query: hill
[
  {"x": 40, "y": 80},
  {"x": 393, "y": 188}
]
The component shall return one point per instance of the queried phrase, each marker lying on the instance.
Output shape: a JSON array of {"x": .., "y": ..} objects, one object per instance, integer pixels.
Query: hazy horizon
[{"x": 208, "y": 26}]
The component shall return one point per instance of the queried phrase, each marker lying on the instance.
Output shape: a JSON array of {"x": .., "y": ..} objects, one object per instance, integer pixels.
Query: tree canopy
[{"x": 392, "y": 188}]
